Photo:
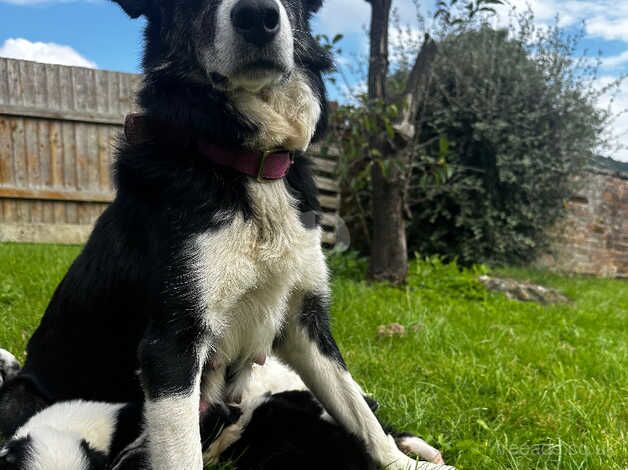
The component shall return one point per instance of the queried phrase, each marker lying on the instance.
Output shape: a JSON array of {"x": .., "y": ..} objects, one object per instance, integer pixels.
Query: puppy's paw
[
  {"x": 406, "y": 463},
  {"x": 413, "y": 445},
  {"x": 9, "y": 367}
]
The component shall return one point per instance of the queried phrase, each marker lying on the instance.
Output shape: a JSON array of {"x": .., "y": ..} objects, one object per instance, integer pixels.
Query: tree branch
[{"x": 409, "y": 99}]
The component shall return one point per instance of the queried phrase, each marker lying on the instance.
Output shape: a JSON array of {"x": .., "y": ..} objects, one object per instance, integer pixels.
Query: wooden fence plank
[
  {"x": 56, "y": 154},
  {"x": 329, "y": 219},
  {"x": 71, "y": 212},
  {"x": 326, "y": 166},
  {"x": 6, "y": 152},
  {"x": 80, "y": 139},
  {"x": 326, "y": 184},
  {"x": 39, "y": 80},
  {"x": 26, "y": 78},
  {"x": 4, "y": 81},
  {"x": 329, "y": 202},
  {"x": 62, "y": 115},
  {"x": 15, "y": 93},
  {"x": 60, "y": 195},
  {"x": 9, "y": 211},
  {"x": 53, "y": 89},
  {"x": 19, "y": 153},
  {"x": 66, "y": 91},
  {"x": 69, "y": 155},
  {"x": 33, "y": 170}
]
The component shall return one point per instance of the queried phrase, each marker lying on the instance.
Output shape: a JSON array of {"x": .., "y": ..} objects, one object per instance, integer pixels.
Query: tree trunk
[
  {"x": 378, "y": 56},
  {"x": 389, "y": 250},
  {"x": 389, "y": 257}
]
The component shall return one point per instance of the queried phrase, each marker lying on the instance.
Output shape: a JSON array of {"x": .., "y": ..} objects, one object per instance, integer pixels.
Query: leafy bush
[
  {"x": 514, "y": 121},
  {"x": 506, "y": 121}
]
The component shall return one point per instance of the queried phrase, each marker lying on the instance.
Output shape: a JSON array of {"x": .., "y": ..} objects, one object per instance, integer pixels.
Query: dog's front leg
[
  {"x": 171, "y": 357},
  {"x": 308, "y": 346}
]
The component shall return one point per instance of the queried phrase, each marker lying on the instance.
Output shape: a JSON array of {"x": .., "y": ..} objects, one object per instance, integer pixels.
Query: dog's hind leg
[{"x": 307, "y": 345}]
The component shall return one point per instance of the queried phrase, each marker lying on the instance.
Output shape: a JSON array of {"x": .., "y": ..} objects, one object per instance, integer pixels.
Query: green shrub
[{"x": 507, "y": 120}]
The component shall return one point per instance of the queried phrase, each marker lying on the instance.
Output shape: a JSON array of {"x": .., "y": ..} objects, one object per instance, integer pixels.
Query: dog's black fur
[
  {"x": 137, "y": 318},
  {"x": 287, "y": 431},
  {"x": 128, "y": 273}
]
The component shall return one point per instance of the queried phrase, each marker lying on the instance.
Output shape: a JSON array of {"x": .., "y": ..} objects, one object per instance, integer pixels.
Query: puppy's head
[{"x": 230, "y": 43}]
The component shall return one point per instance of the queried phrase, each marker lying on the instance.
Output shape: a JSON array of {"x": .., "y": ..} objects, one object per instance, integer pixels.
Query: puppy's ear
[
  {"x": 134, "y": 8},
  {"x": 313, "y": 5}
]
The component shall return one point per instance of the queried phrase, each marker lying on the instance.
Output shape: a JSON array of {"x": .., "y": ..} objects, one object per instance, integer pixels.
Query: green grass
[{"x": 494, "y": 383}]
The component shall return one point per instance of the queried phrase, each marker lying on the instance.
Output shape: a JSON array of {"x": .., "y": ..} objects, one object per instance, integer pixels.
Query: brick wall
[{"x": 593, "y": 238}]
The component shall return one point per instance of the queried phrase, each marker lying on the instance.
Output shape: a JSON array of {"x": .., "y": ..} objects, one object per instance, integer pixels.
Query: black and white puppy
[
  {"x": 197, "y": 271},
  {"x": 278, "y": 425},
  {"x": 73, "y": 435}
]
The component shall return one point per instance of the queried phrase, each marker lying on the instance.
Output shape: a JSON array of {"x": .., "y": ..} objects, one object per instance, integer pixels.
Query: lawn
[{"x": 494, "y": 383}]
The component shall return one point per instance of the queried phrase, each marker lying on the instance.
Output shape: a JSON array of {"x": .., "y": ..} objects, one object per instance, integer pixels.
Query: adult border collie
[
  {"x": 278, "y": 425},
  {"x": 204, "y": 263}
]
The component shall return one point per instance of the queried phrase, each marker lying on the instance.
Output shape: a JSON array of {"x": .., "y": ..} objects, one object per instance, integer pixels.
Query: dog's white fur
[
  {"x": 93, "y": 421},
  {"x": 286, "y": 114},
  {"x": 174, "y": 437},
  {"x": 57, "y": 431}
]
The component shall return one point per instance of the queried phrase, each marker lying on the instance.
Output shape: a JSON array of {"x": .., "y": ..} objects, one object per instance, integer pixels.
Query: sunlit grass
[{"x": 494, "y": 383}]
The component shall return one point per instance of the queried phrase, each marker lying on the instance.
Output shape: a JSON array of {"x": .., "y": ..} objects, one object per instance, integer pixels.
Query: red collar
[{"x": 263, "y": 165}]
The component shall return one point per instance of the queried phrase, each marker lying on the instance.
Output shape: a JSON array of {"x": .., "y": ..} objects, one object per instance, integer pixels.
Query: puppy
[
  {"x": 278, "y": 425},
  {"x": 207, "y": 261}
]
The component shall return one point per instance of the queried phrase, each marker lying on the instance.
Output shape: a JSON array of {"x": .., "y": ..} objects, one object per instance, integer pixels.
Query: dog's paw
[
  {"x": 9, "y": 367},
  {"x": 413, "y": 445}
]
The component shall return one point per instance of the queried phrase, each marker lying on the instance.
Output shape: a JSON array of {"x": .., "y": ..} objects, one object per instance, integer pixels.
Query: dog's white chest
[{"x": 250, "y": 268}]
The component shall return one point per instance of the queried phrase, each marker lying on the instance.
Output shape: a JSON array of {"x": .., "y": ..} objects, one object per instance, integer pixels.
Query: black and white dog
[
  {"x": 205, "y": 263},
  {"x": 278, "y": 425}
]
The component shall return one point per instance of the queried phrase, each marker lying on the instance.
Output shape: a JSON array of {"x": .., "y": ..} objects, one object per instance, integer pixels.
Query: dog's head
[{"x": 233, "y": 47}]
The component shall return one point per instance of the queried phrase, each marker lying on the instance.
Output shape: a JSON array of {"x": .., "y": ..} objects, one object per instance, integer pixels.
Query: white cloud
[
  {"x": 353, "y": 16},
  {"x": 47, "y": 52},
  {"x": 609, "y": 28},
  {"x": 343, "y": 16},
  {"x": 605, "y": 19},
  {"x": 613, "y": 61}
]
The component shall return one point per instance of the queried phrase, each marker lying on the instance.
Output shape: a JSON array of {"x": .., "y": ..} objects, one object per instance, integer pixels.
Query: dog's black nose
[{"x": 257, "y": 21}]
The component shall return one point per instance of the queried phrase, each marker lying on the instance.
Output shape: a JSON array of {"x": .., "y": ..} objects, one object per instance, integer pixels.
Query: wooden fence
[{"x": 57, "y": 128}]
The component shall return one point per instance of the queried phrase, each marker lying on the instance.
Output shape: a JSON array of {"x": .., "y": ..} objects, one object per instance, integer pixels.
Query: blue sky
[{"x": 96, "y": 33}]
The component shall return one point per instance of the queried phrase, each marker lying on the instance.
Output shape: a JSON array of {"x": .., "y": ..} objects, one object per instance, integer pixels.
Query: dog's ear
[
  {"x": 134, "y": 8},
  {"x": 313, "y": 5}
]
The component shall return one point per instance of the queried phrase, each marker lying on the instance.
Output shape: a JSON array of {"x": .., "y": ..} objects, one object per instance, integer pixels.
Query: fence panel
[{"x": 57, "y": 129}]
